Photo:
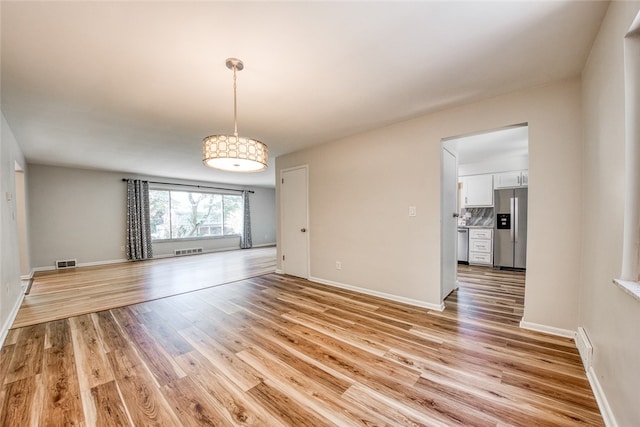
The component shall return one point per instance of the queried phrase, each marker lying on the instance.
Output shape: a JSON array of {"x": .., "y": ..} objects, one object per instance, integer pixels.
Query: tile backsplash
[{"x": 477, "y": 217}]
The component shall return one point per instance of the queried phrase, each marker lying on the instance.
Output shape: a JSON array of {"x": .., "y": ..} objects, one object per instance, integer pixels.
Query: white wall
[
  {"x": 610, "y": 316},
  {"x": 360, "y": 189},
  {"x": 11, "y": 290},
  {"x": 81, "y": 214}
]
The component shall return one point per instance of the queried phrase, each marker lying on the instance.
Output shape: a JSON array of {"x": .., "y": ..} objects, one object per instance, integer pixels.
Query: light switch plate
[{"x": 412, "y": 211}]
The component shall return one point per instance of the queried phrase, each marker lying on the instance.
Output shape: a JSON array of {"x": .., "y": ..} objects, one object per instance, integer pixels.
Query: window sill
[
  {"x": 632, "y": 288},
  {"x": 187, "y": 239}
]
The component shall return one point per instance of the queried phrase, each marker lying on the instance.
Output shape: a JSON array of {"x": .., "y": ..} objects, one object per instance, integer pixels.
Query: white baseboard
[
  {"x": 548, "y": 329},
  {"x": 83, "y": 264},
  {"x": 384, "y": 295},
  {"x": 12, "y": 316},
  {"x": 215, "y": 250},
  {"x": 28, "y": 276},
  {"x": 598, "y": 392},
  {"x": 601, "y": 398},
  {"x": 112, "y": 261},
  {"x": 279, "y": 271},
  {"x": 264, "y": 245},
  {"x": 204, "y": 252}
]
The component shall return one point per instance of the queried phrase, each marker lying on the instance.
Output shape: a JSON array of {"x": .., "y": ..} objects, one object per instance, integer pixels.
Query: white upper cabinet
[
  {"x": 477, "y": 190},
  {"x": 511, "y": 179}
]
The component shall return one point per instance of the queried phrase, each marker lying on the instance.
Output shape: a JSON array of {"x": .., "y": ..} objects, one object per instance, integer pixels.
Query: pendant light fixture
[{"x": 232, "y": 152}]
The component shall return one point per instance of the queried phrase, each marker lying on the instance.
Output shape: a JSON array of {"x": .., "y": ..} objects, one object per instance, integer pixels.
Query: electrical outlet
[
  {"x": 412, "y": 211},
  {"x": 121, "y": 248},
  {"x": 338, "y": 265}
]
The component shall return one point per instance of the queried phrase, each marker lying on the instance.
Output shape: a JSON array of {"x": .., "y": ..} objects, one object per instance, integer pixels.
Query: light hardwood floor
[
  {"x": 60, "y": 294},
  {"x": 277, "y": 350}
]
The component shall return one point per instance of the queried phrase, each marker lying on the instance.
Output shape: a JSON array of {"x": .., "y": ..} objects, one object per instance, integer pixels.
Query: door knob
[
  {"x": 456, "y": 215},
  {"x": 304, "y": 230}
]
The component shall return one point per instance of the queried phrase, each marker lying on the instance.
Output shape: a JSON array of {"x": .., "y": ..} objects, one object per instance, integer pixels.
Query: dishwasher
[{"x": 463, "y": 245}]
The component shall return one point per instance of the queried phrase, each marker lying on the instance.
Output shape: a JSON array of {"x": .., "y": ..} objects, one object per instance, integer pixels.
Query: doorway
[
  {"x": 21, "y": 222},
  {"x": 486, "y": 162}
]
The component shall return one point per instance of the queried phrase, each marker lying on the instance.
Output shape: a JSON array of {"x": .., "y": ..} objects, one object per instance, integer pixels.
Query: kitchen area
[
  {"x": 492, "y": 195},
  {"x": 492, "y": 222}
]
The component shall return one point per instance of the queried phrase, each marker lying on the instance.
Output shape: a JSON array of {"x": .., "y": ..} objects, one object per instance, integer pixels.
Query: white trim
[
  {"x": 631, "y": 288},
  {"x": 548, "y": 329},
  {"x": 264, "y": 245},
  {"x": 630, "y": 269},
  {"x": 279, "y": 271},
  {"x": 12, "y": 316},
  {"x": 28, "y": 276},
  {"x": 601, "y": 399},
  {"x": 410, "y": 301}
]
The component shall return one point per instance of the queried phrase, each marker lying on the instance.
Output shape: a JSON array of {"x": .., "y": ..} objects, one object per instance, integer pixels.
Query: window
[
  {"x": 630, "y": 275},
  {"x": 188, "y": 215}
]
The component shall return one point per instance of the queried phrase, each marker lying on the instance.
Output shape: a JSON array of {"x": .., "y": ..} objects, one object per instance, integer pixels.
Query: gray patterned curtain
[
  {"x": 245, "y": 238},
  {"x": 138, "y": 224}
]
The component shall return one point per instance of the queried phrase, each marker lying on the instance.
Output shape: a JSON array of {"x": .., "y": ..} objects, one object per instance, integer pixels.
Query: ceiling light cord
[{"x": 235, "y": 101}]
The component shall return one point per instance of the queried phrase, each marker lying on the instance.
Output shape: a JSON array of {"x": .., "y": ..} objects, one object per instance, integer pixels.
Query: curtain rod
[{"x": 195, "y": 186}]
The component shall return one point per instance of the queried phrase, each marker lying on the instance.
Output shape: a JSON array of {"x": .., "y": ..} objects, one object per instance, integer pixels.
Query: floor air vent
[
  {"x": 66, "y": 263},
  {"x": 189, "y": 251},
  {"x": 584, "y": 348}
]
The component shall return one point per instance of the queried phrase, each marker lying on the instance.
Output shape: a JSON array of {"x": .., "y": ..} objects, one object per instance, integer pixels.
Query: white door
[
  {"x": 449, "y": 224},
  {"x": 295, "y": 234}
]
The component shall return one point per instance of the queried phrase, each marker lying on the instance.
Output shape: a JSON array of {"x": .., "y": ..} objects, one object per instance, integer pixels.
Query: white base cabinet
[{"x": 481, "y": 246}]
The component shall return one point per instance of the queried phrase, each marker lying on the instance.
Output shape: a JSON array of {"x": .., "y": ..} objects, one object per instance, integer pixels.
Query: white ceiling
[{"x": 135, "y": 86}]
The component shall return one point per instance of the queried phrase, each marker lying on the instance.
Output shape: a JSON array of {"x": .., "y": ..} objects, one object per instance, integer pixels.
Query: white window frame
[
  {"x": 629, "y": 279},
  {"x": 182, "y": 239}
]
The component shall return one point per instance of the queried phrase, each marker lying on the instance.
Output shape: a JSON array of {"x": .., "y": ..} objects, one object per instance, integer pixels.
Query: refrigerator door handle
[
  {"x": 516, "y": 220},
  {"x": 512, "y": 211}
]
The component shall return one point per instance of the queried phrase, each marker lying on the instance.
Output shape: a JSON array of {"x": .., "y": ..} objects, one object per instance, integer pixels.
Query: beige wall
[
  {"x": 360, "y": 189},
  {"x": 75, "y": 214},
  {"x": 11, "y": 289},
  {"x": 81, "y": 214},
  {"x": 610, "y": 316}
]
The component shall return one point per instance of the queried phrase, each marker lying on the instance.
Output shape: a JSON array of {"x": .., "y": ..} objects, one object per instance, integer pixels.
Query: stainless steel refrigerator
[{"x": 510, "y": 238}]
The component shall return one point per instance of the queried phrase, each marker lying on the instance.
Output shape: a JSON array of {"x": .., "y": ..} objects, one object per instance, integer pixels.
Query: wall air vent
[
  {"x": 584, "y": 348},
  {"x": 189, "y": 251},
  {"x": 66, "y": 263}
]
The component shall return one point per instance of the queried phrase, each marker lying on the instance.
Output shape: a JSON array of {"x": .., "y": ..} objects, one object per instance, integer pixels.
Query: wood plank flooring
[
  {"x": 60, "y": 294},
  {"x": 281, "y": 351}
]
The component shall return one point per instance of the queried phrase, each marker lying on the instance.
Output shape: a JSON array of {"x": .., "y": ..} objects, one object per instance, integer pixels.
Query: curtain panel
[
  {"x": 138, "y": 221},
  {"x": 245, "y": 238}
]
